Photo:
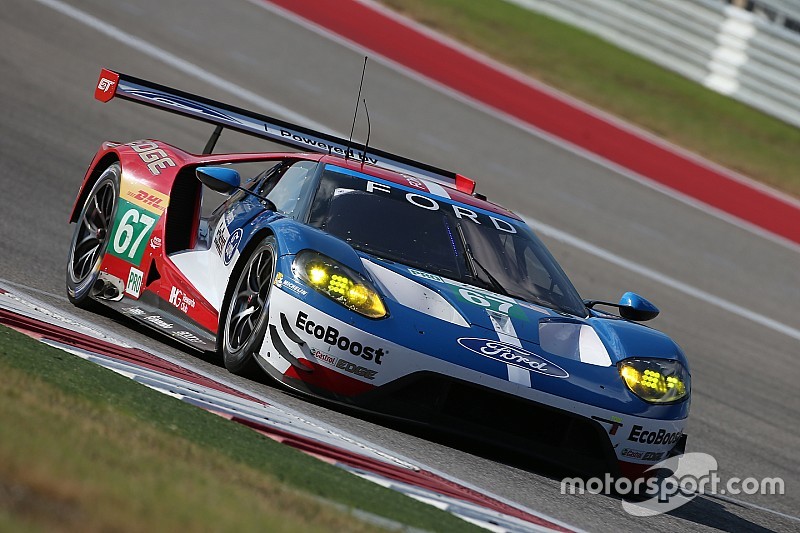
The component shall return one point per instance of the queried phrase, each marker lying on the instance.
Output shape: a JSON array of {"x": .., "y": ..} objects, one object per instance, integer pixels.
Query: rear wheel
[
  {"x": 246, "y": 317},
  {"x": 90, "y": 238}
]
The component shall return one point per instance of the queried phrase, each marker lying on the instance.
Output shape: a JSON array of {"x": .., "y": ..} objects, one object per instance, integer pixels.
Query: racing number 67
[
  {"x": 126, "y": 232},
  {"x": 484, "y": 300}
]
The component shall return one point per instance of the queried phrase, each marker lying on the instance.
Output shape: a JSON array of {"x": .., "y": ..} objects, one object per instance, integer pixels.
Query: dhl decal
[{"x": 142, "y": 196}]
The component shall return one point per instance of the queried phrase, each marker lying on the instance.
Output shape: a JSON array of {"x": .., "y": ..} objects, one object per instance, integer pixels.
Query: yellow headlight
[
  {"x": 655, "y": 380},
  {"x": 339, "y": 283},
  {"x": 317, "y": 275},
  {"x": 358, "y": 294}
]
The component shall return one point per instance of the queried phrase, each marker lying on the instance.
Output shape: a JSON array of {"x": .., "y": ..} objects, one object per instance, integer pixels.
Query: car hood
[{"x": 475, "y": 312}]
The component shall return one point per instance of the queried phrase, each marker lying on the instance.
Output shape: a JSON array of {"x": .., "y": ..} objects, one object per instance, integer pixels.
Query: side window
[{"x": 289, "y": 189}]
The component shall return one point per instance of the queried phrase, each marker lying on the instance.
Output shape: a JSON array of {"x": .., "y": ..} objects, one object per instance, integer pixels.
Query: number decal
[
  {"x": 132, "y": 227},
  {"x": 486, "y": 300},
  {"x": 474, "y": 298},
  {"x": 148, "y": 222},
  {"x": 126, "y": 231}
]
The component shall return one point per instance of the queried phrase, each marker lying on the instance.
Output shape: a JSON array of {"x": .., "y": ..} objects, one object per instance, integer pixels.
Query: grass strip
[
  {"x": 85, "y": 449},
  {"x": 674, "y": 108}
]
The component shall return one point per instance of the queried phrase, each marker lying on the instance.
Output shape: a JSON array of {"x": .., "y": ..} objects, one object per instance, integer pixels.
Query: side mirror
[
  {"x": 221, "y": 179},
  {"x": 631, "y": 307},
  {"x": 634, "y": 307}
]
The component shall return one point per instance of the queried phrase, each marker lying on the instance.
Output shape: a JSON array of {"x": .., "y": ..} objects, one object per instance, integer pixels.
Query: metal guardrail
[
  {"x": 782, "y": 12},
  {"x": 751, "y": 53}
]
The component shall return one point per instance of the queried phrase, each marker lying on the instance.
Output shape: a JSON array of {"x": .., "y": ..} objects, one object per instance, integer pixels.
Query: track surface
[{"x": 746, "y": 398}]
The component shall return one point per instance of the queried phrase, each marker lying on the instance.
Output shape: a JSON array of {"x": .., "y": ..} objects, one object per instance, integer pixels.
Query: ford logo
[
  {"x": 513, "y": 355},
  {"x": 233, "y": 244}
]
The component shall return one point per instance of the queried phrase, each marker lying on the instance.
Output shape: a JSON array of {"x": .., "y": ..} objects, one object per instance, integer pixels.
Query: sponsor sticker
[
  {"x": 180, "y": 299},
  {"x": 653, "y": 456},
  {"x": 134, "y": 284},
  {"x": 342, "y": 364},
  {"x": 311, "y": 141},
  {"x": 151, "y": 155},
  {"x": 232, "y": 245},
  {"x": 220, "y": 238},
  {"x": 353, "y": 368},
  {"x": 330, "y": 335},
  {"x": 513, "y": 355},
  {"x": 323, "y": 356},
  {"x": 631, "y": 453},
  {"x": 613, "y": 425},
  {"x": 143, "y": 196},
  {"x": 188, "y": 336},
  {"x": 157, "y": 320},
  {"x": 155, "y": 243},
  {"x": 655, "y": 437},
  {"x": 416, "y": 183},
  {"x": 106, "y": 85},
  {"x": 284, "y": 283},
  {"x": 425, "y": 275}
]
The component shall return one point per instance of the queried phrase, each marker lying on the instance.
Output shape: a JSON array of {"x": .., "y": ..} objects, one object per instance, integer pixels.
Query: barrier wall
[{"x": 751, "y": 55}]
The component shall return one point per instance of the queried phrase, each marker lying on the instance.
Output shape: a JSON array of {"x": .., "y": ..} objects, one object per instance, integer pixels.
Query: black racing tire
[
  {"x": 90, "y": 238},
  {"x": 243, "y": 322}
]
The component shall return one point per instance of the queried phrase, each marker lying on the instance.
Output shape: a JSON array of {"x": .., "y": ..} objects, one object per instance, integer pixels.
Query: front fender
[
  {"x": 629, "y": 339},
  {"x": 293, "y": 237}
]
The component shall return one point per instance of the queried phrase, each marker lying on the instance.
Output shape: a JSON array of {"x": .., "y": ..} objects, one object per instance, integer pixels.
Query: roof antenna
[
  {"x": 355, "y": 113},
  {"x": 369, "y": 130}
]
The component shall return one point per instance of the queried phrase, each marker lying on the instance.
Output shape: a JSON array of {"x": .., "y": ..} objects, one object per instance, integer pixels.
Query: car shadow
[{"x": 701, "y": 510}]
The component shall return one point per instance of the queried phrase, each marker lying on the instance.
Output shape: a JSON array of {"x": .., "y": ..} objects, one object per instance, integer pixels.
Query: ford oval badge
[{"x": 513, "y": 355}]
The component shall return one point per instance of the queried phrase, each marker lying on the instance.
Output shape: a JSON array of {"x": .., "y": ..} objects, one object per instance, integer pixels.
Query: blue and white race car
[{"x": 364, "y": 277}]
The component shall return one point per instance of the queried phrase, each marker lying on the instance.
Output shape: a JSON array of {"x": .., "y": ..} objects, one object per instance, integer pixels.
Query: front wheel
[
  {"x": 246, "y": 316},
  {"x": 89, "y": 241}
]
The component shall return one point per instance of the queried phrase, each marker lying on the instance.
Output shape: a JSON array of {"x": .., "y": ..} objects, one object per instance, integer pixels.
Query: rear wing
[{"x": 113, "y": 84}]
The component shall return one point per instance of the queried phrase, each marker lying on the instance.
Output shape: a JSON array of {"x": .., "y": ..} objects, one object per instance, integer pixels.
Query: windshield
[{"x": 430, "y": 233}]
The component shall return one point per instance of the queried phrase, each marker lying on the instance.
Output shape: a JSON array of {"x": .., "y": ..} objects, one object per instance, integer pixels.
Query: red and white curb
[{"x": 366, "y": 460}]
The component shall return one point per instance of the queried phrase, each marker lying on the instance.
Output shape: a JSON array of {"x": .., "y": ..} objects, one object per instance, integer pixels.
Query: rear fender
[
  {"x": 146, "y": 164},
  {"x": 104, "y": 157}
]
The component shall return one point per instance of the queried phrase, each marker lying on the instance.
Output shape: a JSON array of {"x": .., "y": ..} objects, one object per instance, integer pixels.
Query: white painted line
[
  {"x": 280, "y": 415},
  {"x": 31, "y": 289},
  {"x": 751, "y": 505},
  {"x": 182, "y": 65},
  {"x": 200, "y": 73},
  {"x": 689, "y": 290}
]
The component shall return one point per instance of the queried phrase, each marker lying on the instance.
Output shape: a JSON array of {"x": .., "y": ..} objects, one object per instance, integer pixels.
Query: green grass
[
  {"x": 674, "y": 108},
  {"x": 84, "y": 449}
]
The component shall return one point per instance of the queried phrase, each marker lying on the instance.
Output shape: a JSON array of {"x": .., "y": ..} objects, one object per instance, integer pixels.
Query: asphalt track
[{"x": 746, "y": 402}]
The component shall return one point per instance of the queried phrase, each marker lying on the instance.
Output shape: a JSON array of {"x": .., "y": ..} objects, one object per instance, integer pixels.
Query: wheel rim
[
  {"x": 250, "y": 301},
  {"x": 92, "y": 233}
]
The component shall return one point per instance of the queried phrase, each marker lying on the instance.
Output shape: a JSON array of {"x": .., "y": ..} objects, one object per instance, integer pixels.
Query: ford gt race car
[{"x": 364, "y": 277}]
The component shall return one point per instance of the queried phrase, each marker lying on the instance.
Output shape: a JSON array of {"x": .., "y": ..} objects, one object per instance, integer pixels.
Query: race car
[{"x": 363, "y": 277}]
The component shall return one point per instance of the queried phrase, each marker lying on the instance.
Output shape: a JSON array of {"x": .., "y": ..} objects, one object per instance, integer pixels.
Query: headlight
[
  {"x": 339, "y": 283},
  {"x": 655, "y": 380}
]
